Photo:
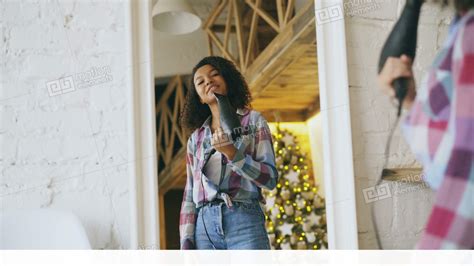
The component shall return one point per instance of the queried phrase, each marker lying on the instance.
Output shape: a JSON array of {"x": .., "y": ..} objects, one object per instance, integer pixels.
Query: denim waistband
[{"x": 218, "y": 201}]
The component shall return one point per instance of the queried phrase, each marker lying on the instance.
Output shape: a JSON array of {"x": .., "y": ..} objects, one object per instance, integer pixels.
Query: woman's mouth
[{"x": 212, "y": 88}]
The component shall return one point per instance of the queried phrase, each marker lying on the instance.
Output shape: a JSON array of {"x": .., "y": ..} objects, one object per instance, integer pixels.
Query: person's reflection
[{"x": 221, "y": 206}]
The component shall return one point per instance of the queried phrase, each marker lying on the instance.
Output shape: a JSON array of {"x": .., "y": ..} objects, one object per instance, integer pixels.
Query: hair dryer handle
[{"x": 401, "y": 89}]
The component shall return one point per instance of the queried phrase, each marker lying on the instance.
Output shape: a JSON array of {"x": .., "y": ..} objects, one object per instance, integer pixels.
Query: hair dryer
[
  {"x": 229, "y": 120},
  {"x": 402, "y": 40}
]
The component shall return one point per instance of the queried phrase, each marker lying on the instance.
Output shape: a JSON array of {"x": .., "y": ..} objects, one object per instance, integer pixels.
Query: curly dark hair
[{"x": 194, "y": 112}]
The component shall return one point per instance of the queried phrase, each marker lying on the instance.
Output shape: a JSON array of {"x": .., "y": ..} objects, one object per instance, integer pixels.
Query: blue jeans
[{"x": 240, "y": 227}]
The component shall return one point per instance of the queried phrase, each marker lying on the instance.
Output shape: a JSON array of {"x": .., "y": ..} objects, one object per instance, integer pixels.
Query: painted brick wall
[
  {"x": 401, "y": 218},
  {"x": 63, "y": 143}
]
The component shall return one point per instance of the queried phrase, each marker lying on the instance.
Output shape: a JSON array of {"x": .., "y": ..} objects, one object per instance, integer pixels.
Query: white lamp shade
[{"x": 175, "y": 17}]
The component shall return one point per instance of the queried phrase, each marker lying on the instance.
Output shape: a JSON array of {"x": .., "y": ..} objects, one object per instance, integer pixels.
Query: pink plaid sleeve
[
  {"x": 451, "y": 222},
  {"x": 187, "y": 217}
]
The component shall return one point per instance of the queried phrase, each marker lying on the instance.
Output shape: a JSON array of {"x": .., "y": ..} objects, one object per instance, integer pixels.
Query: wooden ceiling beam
[{"x": 290, "y": 44}]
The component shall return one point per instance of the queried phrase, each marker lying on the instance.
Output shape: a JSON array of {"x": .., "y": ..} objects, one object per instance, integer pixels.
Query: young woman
[
  {"x": 440, "y": 130},
  {"x": 221, "y": 206}
]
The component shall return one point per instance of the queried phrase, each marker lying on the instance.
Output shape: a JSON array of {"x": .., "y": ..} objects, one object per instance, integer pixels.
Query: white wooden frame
[
  {"x": 144, "y": 223},
  {"x": 336, "y": 124}
]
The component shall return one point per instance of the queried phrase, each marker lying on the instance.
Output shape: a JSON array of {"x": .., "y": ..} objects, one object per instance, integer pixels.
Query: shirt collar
[{"x": 239, "y": 111}]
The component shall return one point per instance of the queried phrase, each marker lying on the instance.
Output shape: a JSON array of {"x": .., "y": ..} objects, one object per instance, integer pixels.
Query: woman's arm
[
  {"x": 187, "y": 217},
  {"x": 261, "y": 170}
]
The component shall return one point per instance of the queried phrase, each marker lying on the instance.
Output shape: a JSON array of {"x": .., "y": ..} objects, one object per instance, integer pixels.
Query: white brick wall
[
  {"x": 67, "y": 151},
  {"x": 402, "y": 217}
]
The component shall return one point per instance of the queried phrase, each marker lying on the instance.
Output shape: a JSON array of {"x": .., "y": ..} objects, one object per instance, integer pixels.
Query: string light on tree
[{"x": 295, "y": 213}]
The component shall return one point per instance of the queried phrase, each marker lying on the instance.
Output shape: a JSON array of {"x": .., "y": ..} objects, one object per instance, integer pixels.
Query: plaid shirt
[
  {"x": 252, "y": 169},
  {"x": 440, "y": 131}
]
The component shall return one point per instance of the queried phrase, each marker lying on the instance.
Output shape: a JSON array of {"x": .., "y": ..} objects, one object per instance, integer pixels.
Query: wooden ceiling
[
  {"x": 283, "y": 74},
  {"x": 294, "y": 92}
]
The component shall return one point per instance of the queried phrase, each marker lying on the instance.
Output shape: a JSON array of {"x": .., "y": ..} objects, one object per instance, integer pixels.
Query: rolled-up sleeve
[
  {"x": 187, "y": 217},
  {"x": 259, "y": 169}
]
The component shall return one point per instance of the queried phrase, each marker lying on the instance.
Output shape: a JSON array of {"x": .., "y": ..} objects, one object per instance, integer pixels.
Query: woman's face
[{"x": 208, "y": 80}]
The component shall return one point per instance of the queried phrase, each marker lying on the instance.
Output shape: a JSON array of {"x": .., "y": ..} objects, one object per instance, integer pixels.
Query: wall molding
[
  {"x": 336, "y": 124},
  {"x": 144, "y": 223}
]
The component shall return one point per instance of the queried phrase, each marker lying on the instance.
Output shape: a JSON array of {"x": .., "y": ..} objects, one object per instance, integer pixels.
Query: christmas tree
[{"x": 295, "y": 213}]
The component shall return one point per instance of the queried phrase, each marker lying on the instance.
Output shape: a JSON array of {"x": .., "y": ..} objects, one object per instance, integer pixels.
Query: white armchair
[{"x": 41, "y": 229}]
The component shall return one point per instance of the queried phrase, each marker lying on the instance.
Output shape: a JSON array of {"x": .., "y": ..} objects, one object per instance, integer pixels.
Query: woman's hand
[
  {"x": 222, "y": 142},
  {"x": 393, "y": 69}
]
